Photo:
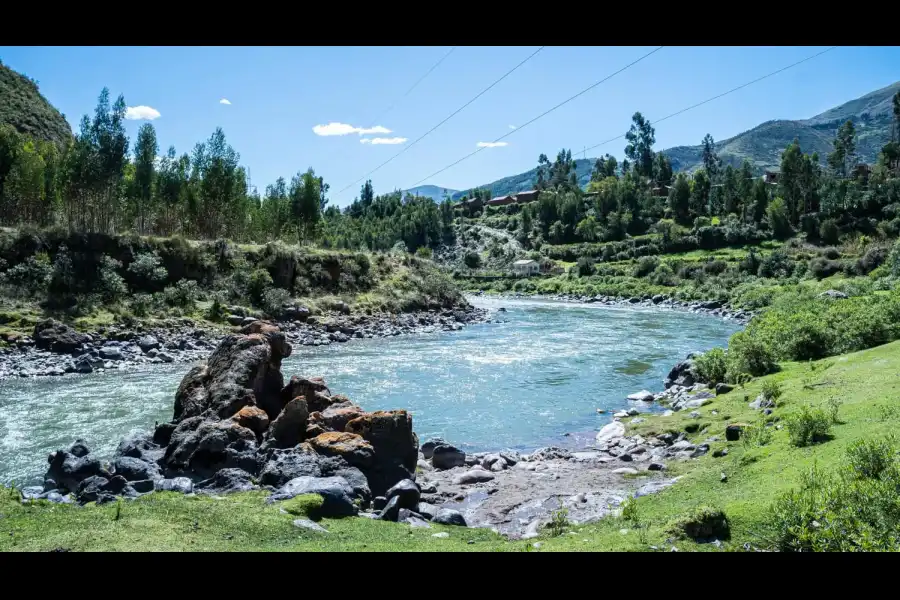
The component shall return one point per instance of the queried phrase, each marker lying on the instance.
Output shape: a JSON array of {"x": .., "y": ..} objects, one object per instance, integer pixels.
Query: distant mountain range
[
  {"x": 871, "y": 114},
  {"x": 434, "y": 192}
]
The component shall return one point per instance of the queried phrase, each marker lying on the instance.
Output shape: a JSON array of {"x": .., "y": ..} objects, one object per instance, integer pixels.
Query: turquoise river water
[{"x": 520, "y": 384}]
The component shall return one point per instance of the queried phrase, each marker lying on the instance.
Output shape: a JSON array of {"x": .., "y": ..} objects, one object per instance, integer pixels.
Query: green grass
[{"x": 866, "y": 382}]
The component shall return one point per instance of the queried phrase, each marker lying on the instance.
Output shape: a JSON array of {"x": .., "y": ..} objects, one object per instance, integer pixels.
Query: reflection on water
[{"x": 518, "y": 384}]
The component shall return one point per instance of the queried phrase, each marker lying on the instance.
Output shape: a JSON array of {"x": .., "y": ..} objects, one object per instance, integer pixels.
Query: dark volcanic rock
[
  {"x": 349, "y": 446},
  {"x": 228, "y": 480},
  {"x": 178, "y": 484},
  {"x": 54, "y": 336},
  {"x": 396, "y": 447},
  {"x": 446, "y": 456},
  {"x": 335, "y": 491},
  {"x": 448, "y": 516},
  {"x": 69, "y": 468},
  {"x": 289, "y": 429},
  {"x": 429, "y": 446},
  {"x": 135, "y": 469},
  {"x": 407, "y": 491}
]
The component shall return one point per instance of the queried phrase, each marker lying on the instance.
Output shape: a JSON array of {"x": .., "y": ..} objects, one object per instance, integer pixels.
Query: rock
[
  {"x": 135, "y": 469},
  {"x": 94, "y": 489},
  {"x": 396, "y": 447},
  {"x": 83, "y": 364},
  {"x": 720, "y": 452},
  {"x": 165, "y": 357},
  {"x": 412, "y": 519},
  {"x": 723, "y": 388},
  {"x": 655, "y": 466},
  {"x": 473, "y": 476},
  {"x": 733, "y": 432},
  {"x": 147, "y": 343},
  {"x": 307, "y": 524},
  {"x": 178, "y": 484},
  {"x": 336, "y": 416},
  {"x": 56, "y": 337},
  {"x": 428, "y": 447},
  {"x": 391, "y": 510},
  {"x": 611, "y": 432},
  {"x": 69, "y": 468},
  {"x": 378, "y": 503},
  {"x": 335, "y": 491},
  {"x": 682, "y": 446},
  {"x": 448, "y": 516},
  {"x": 228, "y": 480},
  {"x": 696, "y": 402},
  {"x": 407, "y": 491},
  {"x": 253, "y": 418},
  {"x": 641, "y": 396},
  {"x": 833, "y": 294},
  {"x": 111, "y": 353},
  {"x": 289, "y": 428},
  {"x": 700, "y": 451},
  {"x": 317, "y": 395},
  {"x": 429, "y": 511},
  {"x": 625, "y": 471},
  {"x": 349, "y": 446},
  {"x": 234, "y": 319},
  {"x": 441, "y": 535},
  {"x": 143, "y": 487}
]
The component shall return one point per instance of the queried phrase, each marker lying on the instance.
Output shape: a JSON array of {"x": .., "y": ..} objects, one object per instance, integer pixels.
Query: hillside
[
  {"x": 434, "y": 192},
  {"x": 24, "y": 107},
  {"x": 762, "y": 145}
]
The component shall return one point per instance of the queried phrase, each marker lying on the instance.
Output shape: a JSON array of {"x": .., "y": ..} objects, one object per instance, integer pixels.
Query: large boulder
[
  {"x": 282, "y": 466},
  {"x": 253, "y": 418},
  {"x": 69, "y": 468},
  {"x": 54, "y": 336},
  {"x": 349, "y": 446},
  {"x": 313, "y": 389},
  {"x": 396, "y": 447},
  {"x": 683, "y": 373},
  {"x": 447, "y": 456},
  {"x": 289, "y": 429},
  {"x": 204, "y": 447},
  {"x": 336, "y": 416},
  {"x": 336, "y": 493}
]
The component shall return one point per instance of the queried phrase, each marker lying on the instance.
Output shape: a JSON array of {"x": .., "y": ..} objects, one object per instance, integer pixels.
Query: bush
[
  {"x": 273, "y": 300},
  {"x": 893, "y": 261},
  {"x": 424, "y": 252},
  {"x": 820, "y": 267},
  {"x": 830, "y": 253},
  {"x": 663, "y": 275},
  {"x": 871, "y": 260},
  {"x": 31, "y": 276},
  {"x": 472, "y": 260},
  {"x": 771, "y": 390},
  {"x": 872, "y": 458},
  {"x": 217, "y": 310},
  {"x": 585, "y": 266},
  {"x": 711, "y": 366},
  {"x": 715, "y": 267},
  {"x": 779, "y": 222},
  {"x": 141, "y": 305},
  {"x": 147, "y": 270},
  {"x": 259, "y": 282},
  {"x": 776, "y": 266},
  {"x": 829, "y": 232},
  {"x": 808, "y": 426},
  {"x": 182, "y": 295},
  {"x": 701, "y": 524},
  {"x": 112, "y": 286},
  {"x": 748, "y": 355},
  {"x": 645, "y": 265}
]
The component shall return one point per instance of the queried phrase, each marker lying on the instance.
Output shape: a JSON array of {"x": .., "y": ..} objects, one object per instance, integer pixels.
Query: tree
[
  {"x": 729, "y": 191},
  {"x": 680, "y": 199},
  {"x": 842, "y": 158},
  {"x": 896, "y": 107},
  {"x": 700, "y": 194},
  {"x": 305, "y": 203},
  {"x": 543, "y": 173},
  {"x": 10, "y": 144},
  {"x": 791, "y": 180},
  {"x": 145, "y": 151},
  {"x": 779, "y": 220},
  {"x": 711, "y": 160},
  {"x": 662, "y": 169},
  {"x": 641, "y": 138},
  {"x": 760, "y": 200},
  {"x": 587, "y": 229},
  {"x": 604, "y": 167},
  {"x": 745, "y": 185}
]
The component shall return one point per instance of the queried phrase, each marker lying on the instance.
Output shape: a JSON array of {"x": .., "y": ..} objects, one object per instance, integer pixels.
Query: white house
[{"x": 526, "y": 267}]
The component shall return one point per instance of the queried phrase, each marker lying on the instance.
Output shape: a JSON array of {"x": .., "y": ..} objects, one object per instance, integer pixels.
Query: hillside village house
[
  {"x": 517, "y": 198},
  {"x": 526, "y": 267}
]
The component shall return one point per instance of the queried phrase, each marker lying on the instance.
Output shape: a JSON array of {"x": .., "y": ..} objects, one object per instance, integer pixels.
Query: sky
[{"x": 345, "y": 110}]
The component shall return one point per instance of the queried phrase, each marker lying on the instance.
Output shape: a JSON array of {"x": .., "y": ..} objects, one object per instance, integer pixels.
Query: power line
[
  {"x": 403, "y": 97},
  {"x": 740, "y": 87},
  {"x": 453, "y": 114},
  {"x": 543, "y": 114}
]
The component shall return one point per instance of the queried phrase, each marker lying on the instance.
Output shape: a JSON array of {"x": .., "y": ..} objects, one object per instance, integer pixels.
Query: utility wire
[
  {"x": 740, "y": 87},
  {"x": 543, "y": 114},
  {"x": 453, "y": 114}
]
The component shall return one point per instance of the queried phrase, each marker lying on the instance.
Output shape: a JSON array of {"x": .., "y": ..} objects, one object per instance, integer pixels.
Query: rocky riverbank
[
  {"x": 715, "y": 308},
  {"x": 55, "y": 349}
]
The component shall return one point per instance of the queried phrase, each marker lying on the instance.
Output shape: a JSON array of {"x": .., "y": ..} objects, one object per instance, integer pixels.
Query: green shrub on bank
[
  {"x": 809, "y": 425},
  {"x": 711, "y": 366}
]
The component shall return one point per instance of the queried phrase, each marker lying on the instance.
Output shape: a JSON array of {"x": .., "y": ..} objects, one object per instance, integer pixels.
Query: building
[
  {"x": 526, "y": 267},
  {"x": 529, "y": 196},
  {"x": 501, "y": 201}
]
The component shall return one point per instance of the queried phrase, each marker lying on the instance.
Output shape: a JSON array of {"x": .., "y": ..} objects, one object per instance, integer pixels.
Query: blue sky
[{"x": 278, "y": 95}]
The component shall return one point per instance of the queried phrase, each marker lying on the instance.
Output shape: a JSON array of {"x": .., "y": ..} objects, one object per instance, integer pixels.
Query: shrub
[
  {"x": 700, "y": 524},
  {"x": 808, "y": 426},
  {"x": 273, "y": 300},
  {"x": 112, "y": 286},
  {"x": 872, "y": 458},
  {"x": 217, "y": 310},
  {"x": 771, "y": 390},
  {"x": 871, "y": 260},
  {"x": 259, "y": 282},
  {"x": 472, "y": 260},
  {"x": 715, "y": 267},
  {"x": 809, "y": 224},
  {"x": 820, "y": 267},
  {"x": 779, "y": 222},
  {"x": 776, "y": 265},
  {"x": 663, "y": 275},
  {"x": 711, "y": 366},
  {"x": 423, "y": 252},
  {"x": 830, "y": 253},
  {"x": 754, "y": 436},
  {"x": 748, "y": 355},
  {"x": 141, "y": 305},
  {"x": 829, "y": 232},
  {"x": 893, "y": 260},
  {"x": 182, "y": 295},
  {"x": 585, "y": 266},
  {"x": 645, "y": 265},
  {"x": 31, "y": 276},
  {"x": 148, "y": 270}
]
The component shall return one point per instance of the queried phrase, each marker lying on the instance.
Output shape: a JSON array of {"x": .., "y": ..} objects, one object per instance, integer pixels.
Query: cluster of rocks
[
  {"x": 237, "y": 426},
  {"x": 715, "y": 308},
  {"x": 56, "y": 349}
]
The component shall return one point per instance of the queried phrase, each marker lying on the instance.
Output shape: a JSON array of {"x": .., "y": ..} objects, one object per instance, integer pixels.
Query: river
[{"x": 520, "y": 384}]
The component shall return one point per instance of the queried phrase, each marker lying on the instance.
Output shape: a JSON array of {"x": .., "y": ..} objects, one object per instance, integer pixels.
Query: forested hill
[
  {"x": 763, "y": 145},
  {"x": 24, "y": 107}
]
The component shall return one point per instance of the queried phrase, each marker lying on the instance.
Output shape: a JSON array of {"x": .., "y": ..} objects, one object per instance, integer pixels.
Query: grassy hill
[
  {"x": 763, "y": 145},
  {"x": 24, "y": 107}
]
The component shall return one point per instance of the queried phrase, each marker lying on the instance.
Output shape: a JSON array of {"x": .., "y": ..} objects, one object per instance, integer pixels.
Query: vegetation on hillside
[{"x": 24, "y": 108}]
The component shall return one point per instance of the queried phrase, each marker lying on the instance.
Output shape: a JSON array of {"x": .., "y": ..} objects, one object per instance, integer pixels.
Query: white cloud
[
  {"x": 141, "y": 113},
  {"x": 334, "y": 128},
  {"x": 225, "y": 101},
  {"x": 378, "y": 141},
  {"x": 512, "y": 126},
  {"x": 492, "y": 144}
]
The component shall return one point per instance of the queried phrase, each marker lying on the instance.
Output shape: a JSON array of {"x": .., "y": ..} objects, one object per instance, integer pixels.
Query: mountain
[
  {"x": 431, "y": 191},
  {"x": 24, "y": 107},
  {"x": 872, "y": 115}
]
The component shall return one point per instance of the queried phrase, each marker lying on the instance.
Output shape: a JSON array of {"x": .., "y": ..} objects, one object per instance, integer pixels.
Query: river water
[{"x": 520, "y": 384}]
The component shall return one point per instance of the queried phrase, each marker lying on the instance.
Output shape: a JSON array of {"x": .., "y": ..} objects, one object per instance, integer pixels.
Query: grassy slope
[{"x": 866, "y": 382}]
